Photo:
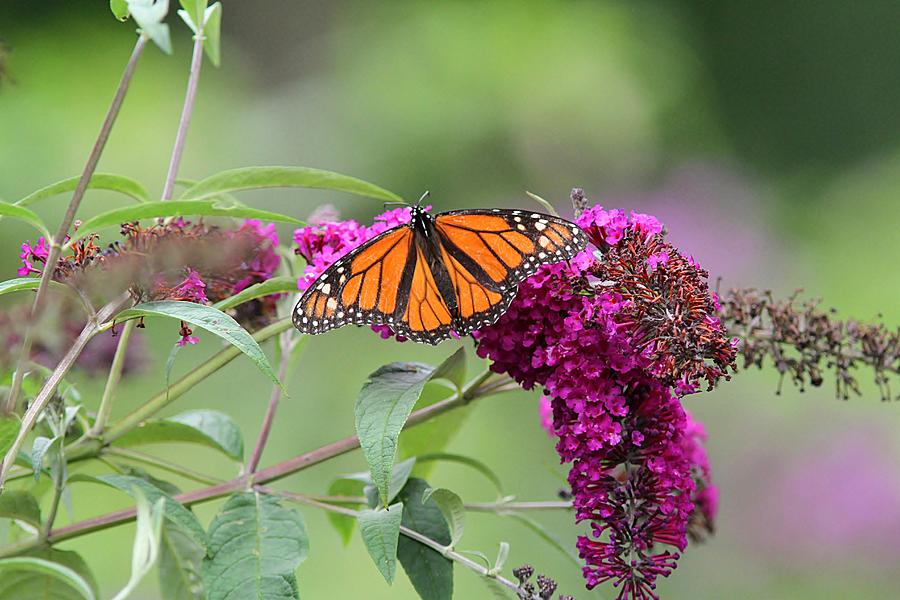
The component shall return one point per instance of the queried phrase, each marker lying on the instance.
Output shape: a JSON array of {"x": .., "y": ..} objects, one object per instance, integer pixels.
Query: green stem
[
  {"x": 286, "y": 343},
  {"x": 412, "y": 534},
  {"x": 49, "y": 388},
  {"x": 186, "y": 112},
  {"x": 159, "y": 463},
  {"x": 469, "y": 393},
  {"x": 112, "y": 382},
  {"x": 57, "y": 242},
  {"x": 180, "y": 387},
  {"x": 495, "y": 507},
  {"x": 58, "y": 483}
]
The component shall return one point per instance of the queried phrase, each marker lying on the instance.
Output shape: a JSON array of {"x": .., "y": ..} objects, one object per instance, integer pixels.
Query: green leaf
[
  {"x": 206, "y": 427},
  {"x": 194, "y": 9},
  {"x": 146, "y": 541},
  {"x": 545, "y": 535},
  {"x": 276, "y": 285},
  {"x": 452, "y": 508},
  {"x": 380, "y": 531},
  {"x": 29, "y": 283},
  {"x": 39, "y": 449},
  {"x": 212, "y": 28},
  {"x": 434, "y": 435},
  {"x": 180, "y": 558},
  {"x": 342, "y": 523},
  {"x": 255, "y": 545},
  {"x": 9, "y": 429},
  {"x": 210, "y": 319},
  {"x": 42, "y": 569},
  {"x": 382, "y": 408},
  {"x": 19, "y": 504},
  {"x": 166, "y": 486},
  {"x": 177, "y": 208},
  {"x": 119, "y": 9},
  {"x": 250, "y": 178},
  {"x": 100, "y": 181},
  {"x": 479, "y": 466},
  {"x": 149, "y": 15},
  {"x": 502, "y": 555},
  {"x": 27, "y": 215},
  {"x": 430, "y": 573},
  {"x": 173, "y": 510},
  {"x": 21, "y": 584}
]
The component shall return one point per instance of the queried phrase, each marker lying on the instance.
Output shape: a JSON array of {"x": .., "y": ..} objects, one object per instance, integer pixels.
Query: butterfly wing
[
  {"x": 488, "y": 252},
  {"x": 366, "y": 285},
  {"x": 426, "y": 290}
]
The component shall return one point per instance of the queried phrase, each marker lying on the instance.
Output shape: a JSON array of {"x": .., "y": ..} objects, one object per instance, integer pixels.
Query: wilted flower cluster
[
  {"x": 173, "y": 260},
  {"x": 613, "y": 340}
]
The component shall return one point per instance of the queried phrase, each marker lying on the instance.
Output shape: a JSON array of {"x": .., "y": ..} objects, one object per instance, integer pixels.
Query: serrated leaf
[
  {"x": 173, "y": 510},
  {"x": 250, "y": 178},
  {"x": 212, "y": 32},
  {"x": 430, "y": 573},
  {"x": 177, "y": 208},
  {"x": 380, "y": 531},
  {"x": 468, "y": 461},
  {"x": 451, "y": 506},
  {"x": 342, "y": 523},
  {"x": 40, "y": 568},
  {"x": 275, "y": 285},
  {"x": 180, "y": 558},
  {"x": 255, "y": 545},
  {"x": 25, "y": 215},
  {"x": 119, "y": 9},
  {"x": 100, "y": 181},
  {"x": 19, "y": 504},
  {"x": 39, "y": 449},
  {"x": 206, "y": 427},
  {"x": 210, "y": 319},
  {"x": 383, "y": 405}
]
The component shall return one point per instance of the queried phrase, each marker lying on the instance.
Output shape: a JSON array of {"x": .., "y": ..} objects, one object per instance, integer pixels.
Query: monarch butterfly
[{"x": 453, "y": 272}]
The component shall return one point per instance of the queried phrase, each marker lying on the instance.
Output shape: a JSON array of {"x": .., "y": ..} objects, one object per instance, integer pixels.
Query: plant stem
[
  {"x": 286, "y": 343},
  {"x": 470, "y": 392},
  {"x": 446, "y": 551},
  {"x": 159, "y": 463},
  {"x": 186, "y": 112},
  {"x": 68, "y": 218},
  {"x": 180, "y": 387},
  {"x": 46, "y": 393},
  {"x": 497, "y": 507},
  {"x": 58, "y": 484},
  {"x": 112, "y": 382}
]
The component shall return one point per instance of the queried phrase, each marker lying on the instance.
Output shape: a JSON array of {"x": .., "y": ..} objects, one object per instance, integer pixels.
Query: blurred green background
[{"x": 765, "y": 135}]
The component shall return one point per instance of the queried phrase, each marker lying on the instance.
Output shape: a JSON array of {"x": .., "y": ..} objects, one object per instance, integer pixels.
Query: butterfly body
[{"x": 439, "y": 275}]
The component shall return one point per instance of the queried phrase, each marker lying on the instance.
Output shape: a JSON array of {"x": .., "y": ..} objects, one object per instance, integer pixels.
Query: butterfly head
[{"x": 419, "y": 213}]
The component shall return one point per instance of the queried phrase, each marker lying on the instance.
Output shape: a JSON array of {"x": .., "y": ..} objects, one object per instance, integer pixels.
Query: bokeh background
[{"x": 766, "y": 135}]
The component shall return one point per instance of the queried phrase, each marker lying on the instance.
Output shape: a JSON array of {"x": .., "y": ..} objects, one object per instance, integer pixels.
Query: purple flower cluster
[{"x": 638, "y": 472}]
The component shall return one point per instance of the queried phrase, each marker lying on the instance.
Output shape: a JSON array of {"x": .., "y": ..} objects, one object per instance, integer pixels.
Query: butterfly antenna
[
  {"x": 423, "y": 198},
  {"x": 395, "y": 203}
]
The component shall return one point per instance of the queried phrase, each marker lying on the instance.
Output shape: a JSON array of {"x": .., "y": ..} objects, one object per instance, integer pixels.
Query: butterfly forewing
[{"x": 427, "y": 290}]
